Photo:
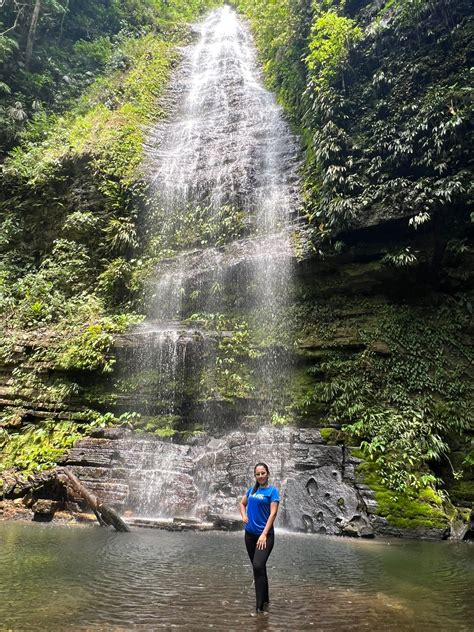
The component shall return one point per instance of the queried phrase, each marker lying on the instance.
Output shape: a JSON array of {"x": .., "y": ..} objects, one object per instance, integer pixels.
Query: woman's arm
[
  {"x": 243, "y": 509},
  {"x": 262, "y": 540}
]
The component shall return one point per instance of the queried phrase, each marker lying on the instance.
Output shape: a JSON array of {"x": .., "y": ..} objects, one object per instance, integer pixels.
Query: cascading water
[
  {"x": 227, "y": 143},
  {"x": 224, "y": 166},
  {"x": 227, "y": 146}
]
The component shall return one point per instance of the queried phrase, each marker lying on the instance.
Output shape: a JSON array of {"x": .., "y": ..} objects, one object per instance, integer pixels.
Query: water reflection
[{"x": 56, "y": 578}]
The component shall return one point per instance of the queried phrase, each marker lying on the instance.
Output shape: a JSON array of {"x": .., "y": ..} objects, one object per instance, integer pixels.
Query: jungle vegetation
[{"x": 380, "y": 93}]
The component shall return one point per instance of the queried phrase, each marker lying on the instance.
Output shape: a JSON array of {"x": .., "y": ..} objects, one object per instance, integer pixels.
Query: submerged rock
[
  {"x": 358, "y": 526},
  {"x": 383, "y": 527}
]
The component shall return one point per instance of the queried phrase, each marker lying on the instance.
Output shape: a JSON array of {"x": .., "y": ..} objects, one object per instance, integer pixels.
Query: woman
[{"x": 258, "y": 508}]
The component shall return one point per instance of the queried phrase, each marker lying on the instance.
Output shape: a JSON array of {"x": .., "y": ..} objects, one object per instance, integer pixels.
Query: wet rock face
[
  {"x": 44, "y": 509},
  {"x": 149, "y": 477}
]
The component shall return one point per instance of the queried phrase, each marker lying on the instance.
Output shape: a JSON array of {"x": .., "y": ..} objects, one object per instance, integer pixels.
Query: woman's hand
[
  {"x": 262, "y": 542},
  {"x": 243, "y": 509}
]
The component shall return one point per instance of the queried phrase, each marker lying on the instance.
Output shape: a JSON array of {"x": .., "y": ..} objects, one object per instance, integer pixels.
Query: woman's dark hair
[{"x": 257, "y": 484}]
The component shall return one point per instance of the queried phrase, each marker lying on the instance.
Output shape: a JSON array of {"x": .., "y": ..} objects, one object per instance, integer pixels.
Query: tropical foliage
[
  {"x": 382, "y": 99},
  {"x": 72, "y": 192},
  {"x": 51, "y": 50},
  {"x": 380, "y": 95}
]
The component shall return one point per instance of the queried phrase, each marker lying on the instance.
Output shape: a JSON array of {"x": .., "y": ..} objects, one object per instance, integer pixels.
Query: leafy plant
[
  {"x": 404, "y": 257},
  {"x": 38, "y": 447},
  {"x": 382, "y": 107}
]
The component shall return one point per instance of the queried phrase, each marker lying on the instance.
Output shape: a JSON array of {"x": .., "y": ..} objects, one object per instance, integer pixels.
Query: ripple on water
[{"x": 94, "y": 579}]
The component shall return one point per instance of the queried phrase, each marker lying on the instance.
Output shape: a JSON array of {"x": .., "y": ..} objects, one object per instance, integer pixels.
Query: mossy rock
[
  {"x": 310, "y": 353},
  {"x": 422, "y": 509},
  {"x": 302, "y": 397},
  {"x": 332, "y": 436}
]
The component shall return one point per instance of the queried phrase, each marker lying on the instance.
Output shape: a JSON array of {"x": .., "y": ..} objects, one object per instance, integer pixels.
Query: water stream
[{"x": 227, "y": 142}]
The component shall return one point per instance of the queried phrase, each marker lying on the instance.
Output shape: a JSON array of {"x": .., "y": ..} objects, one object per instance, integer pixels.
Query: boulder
[
  {"x": 358, "y": 526},
  {"x": 383, "y": 527},
  {"x": 45, "y": 506}
]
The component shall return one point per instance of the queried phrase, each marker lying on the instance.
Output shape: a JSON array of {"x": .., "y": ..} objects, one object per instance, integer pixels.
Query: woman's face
[{"x": 261, "y": 475}]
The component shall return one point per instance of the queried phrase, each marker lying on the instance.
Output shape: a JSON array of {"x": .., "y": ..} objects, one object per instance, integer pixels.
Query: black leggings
[{"x": 259, "y": 558}]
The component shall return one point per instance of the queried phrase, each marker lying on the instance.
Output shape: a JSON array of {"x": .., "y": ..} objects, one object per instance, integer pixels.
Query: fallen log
[{"x": 106, "y": 516}]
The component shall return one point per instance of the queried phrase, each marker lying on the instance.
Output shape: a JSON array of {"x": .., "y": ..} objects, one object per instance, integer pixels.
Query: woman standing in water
[{"x": 258, "y": 508}]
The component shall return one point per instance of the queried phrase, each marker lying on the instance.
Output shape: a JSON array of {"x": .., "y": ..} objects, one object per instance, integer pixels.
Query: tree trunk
[
  {"x": 105, "y": 515},
  {"x": 32, "y": 32}
]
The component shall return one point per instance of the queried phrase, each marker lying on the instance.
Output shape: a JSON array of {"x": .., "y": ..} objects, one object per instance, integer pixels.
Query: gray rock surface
[{"x": 154, "y": 478}]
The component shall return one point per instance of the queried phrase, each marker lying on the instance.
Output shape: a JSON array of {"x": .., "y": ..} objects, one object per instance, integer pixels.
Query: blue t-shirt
[{"x": 258, "y": 508}]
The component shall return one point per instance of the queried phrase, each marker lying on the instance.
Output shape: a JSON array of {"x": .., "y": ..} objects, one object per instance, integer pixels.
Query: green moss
[
  {"x": 331, "y": 436},
  {"x": 418, "y": 509},
  {"x": 301, "y": 398},
  {"x": 151, "y": 382}
]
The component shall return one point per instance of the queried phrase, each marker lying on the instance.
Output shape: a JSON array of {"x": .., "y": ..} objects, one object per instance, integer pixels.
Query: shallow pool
[{"x": 55, "y": 577}]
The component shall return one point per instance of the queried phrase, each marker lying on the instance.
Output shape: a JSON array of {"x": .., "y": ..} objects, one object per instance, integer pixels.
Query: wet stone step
[{"x": 170, "y": 524}]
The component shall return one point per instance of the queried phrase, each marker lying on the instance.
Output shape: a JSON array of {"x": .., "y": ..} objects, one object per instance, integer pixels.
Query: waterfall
[
  {"x": 223, "y": 174},
  {"x": 227, "y": 142},
  {"x": 211, "y": 363},
  {"x": 226, "y": 145}
]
